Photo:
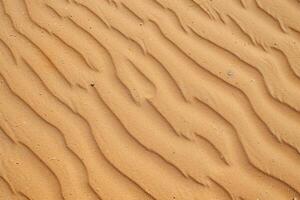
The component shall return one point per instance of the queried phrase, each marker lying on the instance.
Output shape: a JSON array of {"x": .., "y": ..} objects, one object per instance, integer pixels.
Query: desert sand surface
[{"x": 149, "y": 99}]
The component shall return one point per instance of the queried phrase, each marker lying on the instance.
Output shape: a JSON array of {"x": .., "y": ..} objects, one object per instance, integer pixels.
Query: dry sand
[{"x": 149, "y": 99}]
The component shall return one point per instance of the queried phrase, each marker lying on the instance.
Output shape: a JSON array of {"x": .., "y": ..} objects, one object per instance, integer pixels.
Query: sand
[{"x": 149, "y": 99}]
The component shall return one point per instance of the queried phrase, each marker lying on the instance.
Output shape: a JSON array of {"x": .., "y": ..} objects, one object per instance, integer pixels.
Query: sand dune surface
[{"x": 149, "y": 99}]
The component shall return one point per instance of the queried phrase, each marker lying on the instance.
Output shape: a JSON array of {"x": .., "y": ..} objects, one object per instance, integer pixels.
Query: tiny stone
[{"x": 229, "y": 73}]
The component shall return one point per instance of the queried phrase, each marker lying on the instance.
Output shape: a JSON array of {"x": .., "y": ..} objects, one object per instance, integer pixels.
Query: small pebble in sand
[{"x": 229, "y": 73}]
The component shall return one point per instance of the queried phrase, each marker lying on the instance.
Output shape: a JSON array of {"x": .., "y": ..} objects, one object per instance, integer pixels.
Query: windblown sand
[{"x": 149, "y": 99}]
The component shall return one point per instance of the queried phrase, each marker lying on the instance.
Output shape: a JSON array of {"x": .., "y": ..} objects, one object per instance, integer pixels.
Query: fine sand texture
[{"x": 149, "y": 99}]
